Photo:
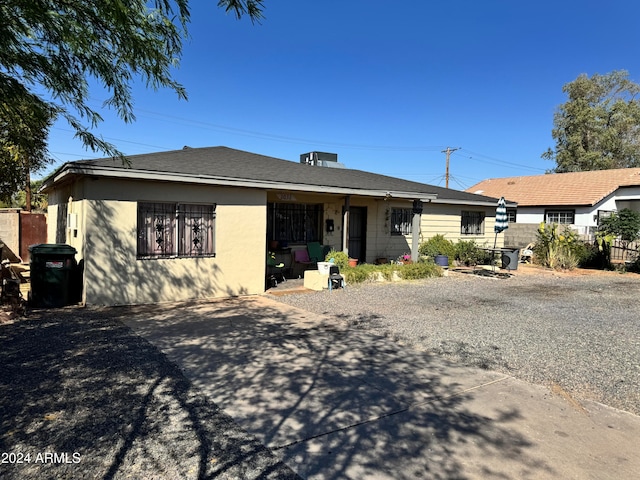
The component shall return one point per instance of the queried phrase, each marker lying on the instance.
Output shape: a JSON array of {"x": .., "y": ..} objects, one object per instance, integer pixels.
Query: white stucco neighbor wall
[{"x": 107, "y": 241}]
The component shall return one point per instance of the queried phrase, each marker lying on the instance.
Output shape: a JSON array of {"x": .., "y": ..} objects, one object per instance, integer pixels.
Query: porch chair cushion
[
  {"x": 315, "y": 252},
  {"x": 301, "y": 256}
]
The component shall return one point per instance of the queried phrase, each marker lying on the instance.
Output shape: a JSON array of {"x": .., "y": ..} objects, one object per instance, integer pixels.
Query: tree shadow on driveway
[
  {"x": 335, "y": 402},
  {"x": 77, "y": 381}
]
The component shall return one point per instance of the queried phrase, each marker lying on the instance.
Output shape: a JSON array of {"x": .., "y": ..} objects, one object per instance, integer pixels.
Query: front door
[{"x": 358, "y": 233}]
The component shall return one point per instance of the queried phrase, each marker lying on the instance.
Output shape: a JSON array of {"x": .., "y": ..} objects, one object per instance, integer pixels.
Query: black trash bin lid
[{"x": 52, "y": 249}]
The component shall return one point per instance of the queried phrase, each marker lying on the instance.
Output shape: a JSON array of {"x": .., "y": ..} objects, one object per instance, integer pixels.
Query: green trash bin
[{"x": 53, "y": 271}]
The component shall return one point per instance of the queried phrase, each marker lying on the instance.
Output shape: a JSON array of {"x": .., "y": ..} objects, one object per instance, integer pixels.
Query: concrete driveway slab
[
  {"x": 508, "y": 429},
  {"x": 340, "y": 403}
]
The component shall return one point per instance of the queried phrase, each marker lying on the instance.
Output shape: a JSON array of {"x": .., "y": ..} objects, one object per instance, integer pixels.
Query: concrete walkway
[{"x": 337, "y": 403}]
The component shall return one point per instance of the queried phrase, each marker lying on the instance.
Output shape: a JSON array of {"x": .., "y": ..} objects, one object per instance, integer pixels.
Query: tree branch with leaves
[{"x": 50, "y": 49}]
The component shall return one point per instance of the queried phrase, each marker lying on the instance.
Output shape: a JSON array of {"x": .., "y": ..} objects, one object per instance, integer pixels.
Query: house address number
[{"x": 290, "y": 197}]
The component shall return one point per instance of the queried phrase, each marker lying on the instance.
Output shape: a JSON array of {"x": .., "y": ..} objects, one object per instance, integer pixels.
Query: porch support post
[
  {"x": 345, "y": 225},
  {"x": 415, "y": 229}
]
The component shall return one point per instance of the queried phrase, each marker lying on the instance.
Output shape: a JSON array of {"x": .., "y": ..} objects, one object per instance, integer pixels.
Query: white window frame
[{"x": 561, "y": 217}]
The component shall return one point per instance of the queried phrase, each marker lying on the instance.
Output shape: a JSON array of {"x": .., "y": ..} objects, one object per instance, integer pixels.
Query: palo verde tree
[
  {"x": 50, "y": 50},
  {"x": 598, "y": 128}
]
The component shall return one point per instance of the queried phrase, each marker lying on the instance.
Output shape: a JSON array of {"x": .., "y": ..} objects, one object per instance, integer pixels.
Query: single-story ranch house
[
  {"x": 575, "y": 199},
  {"x": 198, "y": 222}
]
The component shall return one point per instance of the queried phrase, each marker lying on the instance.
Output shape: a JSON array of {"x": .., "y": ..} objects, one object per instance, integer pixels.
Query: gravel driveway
[{"x": 579, "y": 333}]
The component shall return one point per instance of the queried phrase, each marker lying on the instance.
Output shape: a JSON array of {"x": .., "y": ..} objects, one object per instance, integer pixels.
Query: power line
[
  {"x": 280, "y": 138},
  {"x": 497, "y": 161}
]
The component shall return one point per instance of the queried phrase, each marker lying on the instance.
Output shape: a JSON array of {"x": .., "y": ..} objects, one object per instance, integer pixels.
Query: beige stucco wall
[{"x": 107, "y": 236}]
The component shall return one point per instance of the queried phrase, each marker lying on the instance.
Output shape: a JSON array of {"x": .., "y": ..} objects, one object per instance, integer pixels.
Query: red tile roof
[{"x": 576, "y": 188}]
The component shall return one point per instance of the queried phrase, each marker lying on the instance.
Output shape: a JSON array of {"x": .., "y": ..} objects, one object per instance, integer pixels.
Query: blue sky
[{"x": 386, "y": 85}]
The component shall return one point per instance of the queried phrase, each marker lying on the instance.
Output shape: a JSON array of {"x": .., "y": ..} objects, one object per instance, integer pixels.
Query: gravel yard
[{"x": 578, "y": 333}]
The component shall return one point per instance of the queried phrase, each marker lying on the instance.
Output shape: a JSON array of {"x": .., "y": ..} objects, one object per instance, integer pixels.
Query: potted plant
[{"x": 340, "y": 259}]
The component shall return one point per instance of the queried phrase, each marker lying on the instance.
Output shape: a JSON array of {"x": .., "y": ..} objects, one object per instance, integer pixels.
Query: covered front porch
[{"x": 365, "y": 227}]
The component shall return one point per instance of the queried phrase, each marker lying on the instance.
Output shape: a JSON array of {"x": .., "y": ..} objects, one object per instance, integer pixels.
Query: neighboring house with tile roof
[
  {"x": 576, "y": 198},
  {"x": 197, "y": 222}
]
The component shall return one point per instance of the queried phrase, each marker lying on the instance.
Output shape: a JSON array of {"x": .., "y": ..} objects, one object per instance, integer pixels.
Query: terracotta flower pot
[{"x": 353, "y": 262}]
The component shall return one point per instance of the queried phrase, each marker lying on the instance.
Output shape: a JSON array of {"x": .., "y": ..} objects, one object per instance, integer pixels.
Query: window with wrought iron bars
[
  {"x": 471, "y": 223},
  {"x": 170, "y": 230},
  {"x": 294, "y": 223},
  {"x": 401, "y": 221}
]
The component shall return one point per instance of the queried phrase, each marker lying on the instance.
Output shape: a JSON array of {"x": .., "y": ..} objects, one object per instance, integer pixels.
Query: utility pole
[{"x": 448, "y": 151}]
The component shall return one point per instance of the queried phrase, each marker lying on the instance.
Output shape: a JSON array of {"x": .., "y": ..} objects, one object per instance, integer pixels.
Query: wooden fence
[{"x": 620, "y": 254}]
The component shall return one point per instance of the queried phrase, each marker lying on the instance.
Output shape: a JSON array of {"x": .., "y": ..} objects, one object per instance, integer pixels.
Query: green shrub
[
  {"x": 590, "y": 256},
  {"x": 358, "y": 274},
  {"x": 414, "y": 271},
  {"x": 634, "y": 267},
  {"x": 340, "y": 259},
  {"x": 468, "y": 253},
  {"x": 437, "y": 245}
]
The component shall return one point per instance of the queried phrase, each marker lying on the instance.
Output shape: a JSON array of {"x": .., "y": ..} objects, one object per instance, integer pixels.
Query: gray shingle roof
[{"x": 241, "y": 165}]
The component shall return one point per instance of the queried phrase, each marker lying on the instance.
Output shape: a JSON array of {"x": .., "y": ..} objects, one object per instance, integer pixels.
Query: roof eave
[
  {"x": 480, "y": 203},
  {"x": 133, "y": 174}
]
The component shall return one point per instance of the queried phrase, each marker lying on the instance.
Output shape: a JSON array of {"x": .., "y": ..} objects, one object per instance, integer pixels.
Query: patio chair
[
  {"x": 301, "y": 260},
  {"x": 315, "y": 252},
  {"x": 275, "y": 271},
  {"x": 335, "y": 279}
]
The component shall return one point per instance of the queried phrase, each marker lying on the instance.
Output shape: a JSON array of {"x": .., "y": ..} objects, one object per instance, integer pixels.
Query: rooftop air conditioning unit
[{"x": 321, "y": 159}]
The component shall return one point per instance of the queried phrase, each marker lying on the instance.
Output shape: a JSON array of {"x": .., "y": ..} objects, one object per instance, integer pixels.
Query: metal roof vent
[{"x": 321, "y": 159}]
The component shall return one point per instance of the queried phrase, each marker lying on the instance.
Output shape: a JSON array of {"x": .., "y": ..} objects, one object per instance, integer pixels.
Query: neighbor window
[
  {"x": 565, "y": 217},
  {"x": 401, "y": 221},
  {"x": 511, "y": 215},
  {"x": 170, "y": 230},
  {"x": 472, "y": 223},
  {"x": 291, "y": 223}
]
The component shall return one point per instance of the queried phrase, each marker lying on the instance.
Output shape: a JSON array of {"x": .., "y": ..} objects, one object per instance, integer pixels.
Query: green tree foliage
[
  {"x": 19, "y": 199},
  {"x": 624, "y": 224},
  {"x": 598, "y": 128},
  {"x": 50, "y": 50},
  {"x": 23, "y": 142}
]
